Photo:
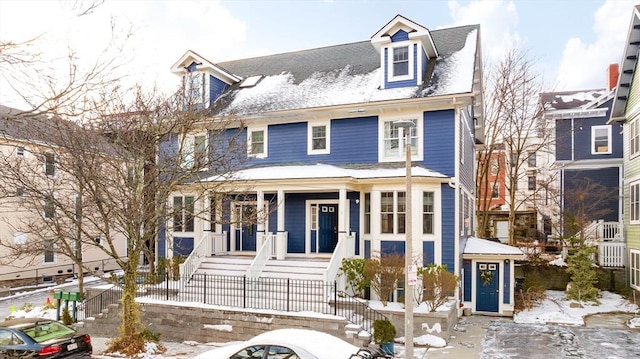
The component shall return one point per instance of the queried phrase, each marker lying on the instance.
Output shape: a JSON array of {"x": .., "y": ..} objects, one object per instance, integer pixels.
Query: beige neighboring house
[{"x": 25, "y": 139}]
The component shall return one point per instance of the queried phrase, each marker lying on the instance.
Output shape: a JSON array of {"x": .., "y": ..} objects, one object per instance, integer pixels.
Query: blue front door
[
  {"x": 487, "y": 291},
  {"x": 246, "y": 227},
  {"x": 327, "y": 228}
]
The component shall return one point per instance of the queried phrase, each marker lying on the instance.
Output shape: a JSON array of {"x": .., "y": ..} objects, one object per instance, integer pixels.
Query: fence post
[
  {"x": 335, "y": 297},
  {"x": 288, "y": 292},
  {"x": 244, "y": 290},
  {"x": 166, "y": 280},
  {"x": 204, "y": 290}
]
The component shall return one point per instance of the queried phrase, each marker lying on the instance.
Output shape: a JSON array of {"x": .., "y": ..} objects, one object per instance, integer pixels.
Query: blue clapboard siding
[
  {"x": 400, "y": 35},
  {"x": 428, "y": 253},
  {"x": 467, "y": 172},
  {"x": 392, "y": 247},
  {"x": 295, "y": 218},
  {"x": 609, "y": 178},
  {"x": 448, "y": 227},
  {"x": 425, "y": 62},
  {"x": 216, "y": 88},
  {"x": 439, "y": 137},
  {"x": 466, "y": 267},
  {"x": 583, "y": 139},
  {"x": 182, "y": 246},
  {"x": 288, "y": 143},
  {"x": 563, "y": 140},
  {"x": 161, "y": 243},
  {"x": 507, "y": 283}
]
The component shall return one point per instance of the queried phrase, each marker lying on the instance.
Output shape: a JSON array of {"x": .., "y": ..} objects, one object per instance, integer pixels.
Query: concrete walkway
[{"x": 466, "y": 339}]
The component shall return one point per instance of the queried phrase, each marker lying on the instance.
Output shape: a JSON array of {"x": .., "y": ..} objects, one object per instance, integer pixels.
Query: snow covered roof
[
  {"x": 322, "y": 171},
  {"x": 566, "y": 100},
  {"x": 480, "y": 246},
  {"x": 346, "y": 74}
]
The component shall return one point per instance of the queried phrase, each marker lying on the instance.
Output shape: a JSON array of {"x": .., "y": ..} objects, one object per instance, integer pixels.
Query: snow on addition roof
[
  {"x": 476, "y": 245},
  {"x": 320, "y": 171},
  {"x": 456, "y": 71},
  {"x": 566, "y": 100}
]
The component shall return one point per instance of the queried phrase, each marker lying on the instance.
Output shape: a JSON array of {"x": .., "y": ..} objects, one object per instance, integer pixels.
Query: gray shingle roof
[{"x": 345, "y": 74}]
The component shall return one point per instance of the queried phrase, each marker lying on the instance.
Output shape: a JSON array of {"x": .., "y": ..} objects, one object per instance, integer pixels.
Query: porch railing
[
  {"x": 612, "y": 254},
  {"x": 344, "y": 249},
  {"x": 207, "y": 245},
  {"x": 602, "y": 231},
  {"x": 265, "y": 252}
]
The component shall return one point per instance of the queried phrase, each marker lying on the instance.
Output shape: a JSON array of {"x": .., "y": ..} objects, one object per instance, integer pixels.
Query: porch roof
[
  {"x": 478, "y": 246},
  {"x": 318, "y": 171}
]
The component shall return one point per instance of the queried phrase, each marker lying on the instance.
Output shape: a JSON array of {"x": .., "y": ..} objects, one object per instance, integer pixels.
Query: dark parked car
[{"x": 42, "y": 338}]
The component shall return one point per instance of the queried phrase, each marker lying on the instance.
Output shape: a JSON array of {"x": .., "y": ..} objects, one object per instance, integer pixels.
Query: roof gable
[
  {"x": 629, "y": 59},
  {"x": 191, "y": 61},
  {"x": 414, "y": 30}
]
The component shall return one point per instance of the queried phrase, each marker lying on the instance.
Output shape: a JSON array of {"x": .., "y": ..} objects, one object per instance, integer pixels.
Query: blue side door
[
  {"x": 487, "y": 291},
  {"x": 327, "y": 228}
]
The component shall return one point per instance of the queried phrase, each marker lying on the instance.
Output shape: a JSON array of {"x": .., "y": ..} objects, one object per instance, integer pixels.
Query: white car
[{"x": 285, "y": 344}]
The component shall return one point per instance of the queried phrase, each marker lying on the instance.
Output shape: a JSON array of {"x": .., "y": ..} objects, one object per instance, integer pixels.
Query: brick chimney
[{"x": 612, "y": 76}]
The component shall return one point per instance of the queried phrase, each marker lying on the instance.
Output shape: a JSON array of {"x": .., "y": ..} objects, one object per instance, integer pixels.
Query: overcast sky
[{"x": 572, "y": 41}]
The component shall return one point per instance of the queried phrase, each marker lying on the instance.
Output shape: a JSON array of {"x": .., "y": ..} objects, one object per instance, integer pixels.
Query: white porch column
[
  {"x": 281, "y": 238},
  {"x": 260, "y": 216},
  {"x": 343, "y": 212}
]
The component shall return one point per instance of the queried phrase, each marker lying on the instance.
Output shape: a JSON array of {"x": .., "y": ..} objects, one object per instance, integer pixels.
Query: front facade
[
  {"x": 326, "y": 134},
  {"x": 588, "y": 158},
  {"x": 26, "y": 258},
  {"x": 626, "y": 113}
]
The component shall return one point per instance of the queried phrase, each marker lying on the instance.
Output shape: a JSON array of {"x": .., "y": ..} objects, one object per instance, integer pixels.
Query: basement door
[
  {"x": 327, "y": 228},
  {"x": 487, "y": 291}
]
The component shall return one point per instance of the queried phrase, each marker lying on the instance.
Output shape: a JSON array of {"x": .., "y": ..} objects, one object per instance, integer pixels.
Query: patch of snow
[
  {"x": 455, "y": 73},
  {"x": 436, "y": 328},
  {"x": 556, "y": 309},
  {"x": 219, "y": 327},
  {"x": 482, "y": 246}
]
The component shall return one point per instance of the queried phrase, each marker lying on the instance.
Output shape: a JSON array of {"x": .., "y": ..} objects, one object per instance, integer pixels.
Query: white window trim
[
  {"x": 170, "y": 226},
  {"x": 401, "y": 157},
  {"x": 634, "y": 126},
  {"x": 395, "y": 45},
  {"x": 310, "y": 126},
  {"x": 396, "y": 213},
  {"x": 634, "y": 252},
  {"x": 191, "y": 138},
  {"x": 632, "y": 184},
  {"x": 593, "y": 139},
  {"x": 252, "y": 129}
]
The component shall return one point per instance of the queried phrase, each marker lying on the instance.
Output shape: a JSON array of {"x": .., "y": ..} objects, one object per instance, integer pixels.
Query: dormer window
[
  {"x": 401, "y": 61},
  {"x": 194, "y": 88}
]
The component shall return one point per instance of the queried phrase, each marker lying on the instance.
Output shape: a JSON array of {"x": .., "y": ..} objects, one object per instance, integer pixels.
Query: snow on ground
[{"x": 556, "y": 309}]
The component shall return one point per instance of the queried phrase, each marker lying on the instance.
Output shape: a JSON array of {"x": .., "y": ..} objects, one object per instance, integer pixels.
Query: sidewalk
[{"x": 466, "y": 339}]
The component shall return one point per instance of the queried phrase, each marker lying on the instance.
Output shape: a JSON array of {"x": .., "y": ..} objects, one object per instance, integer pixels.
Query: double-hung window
[
  {"x": 257, "y": 142},
  {"x": 634, "y": 138},
  {"x": 49, "y": 251},
  {"x": 394, "y": 140},
  {"x": 392, "y": 212},
  {"x": 401, "y": 61},
  {"x": 634, "y": 268},
  {"x": 194, "y": 88},
  {"x": 600, "y": 140},
  {"x": 531, "y": 183},
  {"x": 495, "y": 191},
  {"x": 318, "y": 138},
  {"x": 531, "y": 160},
  {"x": 49, "y": 164},
  {"x": 427, "y": 212},
  {"x": 634, "y": 202},
  {"x": 194, "y": 151},
  {"x": 183, "y": 213},
  {"x": 48, "y": 207}
]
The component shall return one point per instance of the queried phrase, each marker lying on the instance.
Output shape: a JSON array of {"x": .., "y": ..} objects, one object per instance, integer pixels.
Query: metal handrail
[{"x": 356, "y": 311}]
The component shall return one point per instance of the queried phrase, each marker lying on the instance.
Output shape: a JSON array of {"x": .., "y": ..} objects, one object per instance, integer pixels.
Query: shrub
[
  {"x": 583, "y": 275},
  {"x": 438, "y": 285},
  {"x": 383, "y": 275},
  {"x": 353, "y": 270},
  {"x": 383, "y": 331},
  {"x": 66, "y": 317}
]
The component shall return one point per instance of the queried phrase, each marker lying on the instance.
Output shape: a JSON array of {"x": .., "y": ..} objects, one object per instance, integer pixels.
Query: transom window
[
  {"x": 257, "y": 143},
  {"x": 394, "y": 140},
  {"x": 634, "y": 138},
  {"x": 392, "y": 212},
  {"x": 401, "y": 61},
  {"x": 194, "y": 151},
  {"x": 183, "y": 213},
  {"x": 319, "y": 138},
  {"x": 634, "y": 202},
  {"x": 601, "y": 139}
]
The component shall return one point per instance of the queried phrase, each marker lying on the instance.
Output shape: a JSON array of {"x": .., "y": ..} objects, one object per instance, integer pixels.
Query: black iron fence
[{"x": 279, "y": 294}]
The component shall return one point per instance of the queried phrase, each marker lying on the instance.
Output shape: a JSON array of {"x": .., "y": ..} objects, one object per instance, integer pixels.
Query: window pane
[
  {"x": 200, "y": 150},
  {"x": 188, "y": 214},
  {"x": 254, "y": 352},
  {"x": 367, "y": 213},
  {"x": 257, "y": 142},
  {"x": 177, "y": 214},
  {"x": 50, "y": 165},
  {"x": 531, "y": 161},
  {"x": 49, "y": 207},
  {"x": 601, "y": 140},
  {"x": 531, "y": 183},
  {"x": 401, "y": 61},
  {"x": 48, "y": 251},
  {"x": 427, "y": 212}
]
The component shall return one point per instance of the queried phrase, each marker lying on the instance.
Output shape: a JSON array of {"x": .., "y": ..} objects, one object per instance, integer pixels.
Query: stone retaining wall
[{"x": 177, "y": 322}]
